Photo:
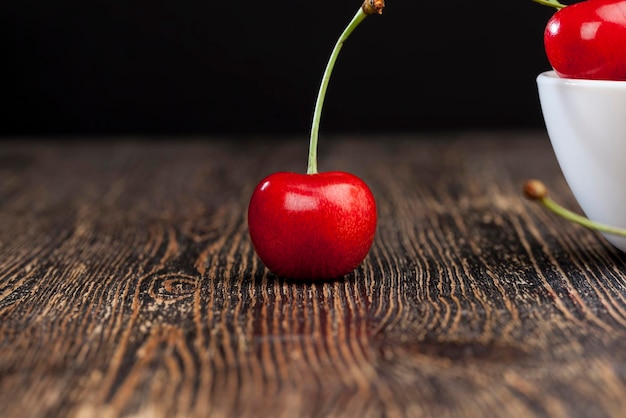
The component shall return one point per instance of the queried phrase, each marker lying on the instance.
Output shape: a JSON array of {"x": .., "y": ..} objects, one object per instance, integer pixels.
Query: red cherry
[
  {"x": 588, "y": 40},
  {"x": 315, "y": 225},
  {"x": 312, "y": 226}
]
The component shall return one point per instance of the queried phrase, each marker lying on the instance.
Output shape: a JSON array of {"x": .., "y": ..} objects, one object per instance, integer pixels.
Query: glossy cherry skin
[
  {"x": 588, "y": 40},
  {"x": 312, "y": 226}
]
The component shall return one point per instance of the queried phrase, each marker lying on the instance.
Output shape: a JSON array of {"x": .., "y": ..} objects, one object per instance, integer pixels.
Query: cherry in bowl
[{"x": 587, "y": 39}]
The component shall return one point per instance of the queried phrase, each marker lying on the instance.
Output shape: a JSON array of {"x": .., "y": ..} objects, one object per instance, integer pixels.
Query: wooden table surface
[{"x": 129, "y": 287}]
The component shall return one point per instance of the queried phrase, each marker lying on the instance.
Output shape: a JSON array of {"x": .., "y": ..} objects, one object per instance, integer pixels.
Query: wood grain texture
[{"x": 129, "y": 287}]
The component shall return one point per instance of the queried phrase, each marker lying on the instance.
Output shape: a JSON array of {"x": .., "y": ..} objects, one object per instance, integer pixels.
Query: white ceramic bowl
[{"x": 586, "y": 123}]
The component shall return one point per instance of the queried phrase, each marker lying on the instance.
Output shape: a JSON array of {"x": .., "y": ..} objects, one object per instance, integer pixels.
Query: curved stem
[{"x": 317, "y": 114}]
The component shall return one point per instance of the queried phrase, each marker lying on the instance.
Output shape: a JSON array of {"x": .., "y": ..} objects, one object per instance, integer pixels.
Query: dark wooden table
[{"x": 129, "y": 287}]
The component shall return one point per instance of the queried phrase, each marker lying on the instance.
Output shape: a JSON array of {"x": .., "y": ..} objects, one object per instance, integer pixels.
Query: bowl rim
[{"x": 551, "y": 77}]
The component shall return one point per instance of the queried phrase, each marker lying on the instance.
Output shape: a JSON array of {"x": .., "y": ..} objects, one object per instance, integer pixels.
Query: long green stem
[
  {"x": 317, "y": 114},
  {"x": 536, "y": 190}
]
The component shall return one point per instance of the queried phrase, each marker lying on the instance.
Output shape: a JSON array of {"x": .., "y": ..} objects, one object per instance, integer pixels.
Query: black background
[{"x": 240, "y": 67}]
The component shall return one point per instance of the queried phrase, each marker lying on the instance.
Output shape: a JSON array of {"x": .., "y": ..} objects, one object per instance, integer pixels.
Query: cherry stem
[
  {"x": 368, "y": 7},
  {"x": 536, "y": 190},
  {"x": 551, "y": 3}
]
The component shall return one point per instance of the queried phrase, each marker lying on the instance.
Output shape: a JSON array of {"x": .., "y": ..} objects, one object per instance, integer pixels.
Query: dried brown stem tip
[
  {"x": 371, "y": 7},
  {"x": 535, "y": 190}
]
